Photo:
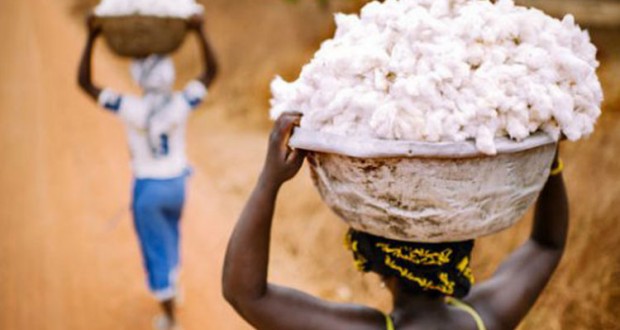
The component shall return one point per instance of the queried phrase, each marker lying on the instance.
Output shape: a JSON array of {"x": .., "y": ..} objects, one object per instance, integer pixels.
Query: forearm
[
  {"x": 247, "y": 256},
  {"x": 507, "y": 296},
  {"x": 85, "y": 70},
  {"x": 210, "y": 63},
  {"x": 550, "y": 226}
]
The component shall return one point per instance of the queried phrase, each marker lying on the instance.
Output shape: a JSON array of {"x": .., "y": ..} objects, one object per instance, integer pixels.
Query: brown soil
[{"x": 68, "y": 255}]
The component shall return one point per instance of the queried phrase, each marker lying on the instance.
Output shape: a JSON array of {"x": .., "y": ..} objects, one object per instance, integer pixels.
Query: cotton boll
[
  {"x": 562, "y": 105},
  {"x": 541, "y": 107},
  {"x": 548, "y": 75},
  {"x": 448, "y": 70},
  {"x": 475, "y": 55},
  {"x": 452, "y": 127},
  {"x": 366, "y": 103},
  {"x": 162, "y": 8},
  {"x": 572, "y": 67},
  {"x": 534, "y": 57},
  {"x": 345, "y": 24},
  {"x": 410, "y": 128},
  {"x": 517, "y": 129},
  {"x": 341, "y": 101},
  {"x": 485, "y": 141},
  {"x": 283, "y": 93},
  {"x": 440, "y": 8},
  {"x": 572, "y": 130},
  {"x": 382, "y": 121},
  {"x": 552, "y": 129},
  {"x": 433, "y": 129},
  {"x": 505, "y": 6}
]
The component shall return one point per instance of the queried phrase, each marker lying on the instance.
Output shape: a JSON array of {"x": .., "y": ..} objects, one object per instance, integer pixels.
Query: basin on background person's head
[{"x": 140, "y": 36}]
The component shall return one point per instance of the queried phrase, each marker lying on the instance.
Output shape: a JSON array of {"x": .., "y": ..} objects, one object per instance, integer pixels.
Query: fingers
[
  {"x": 93, "y": 24},
  {"x": 283, "y": 129},
  {"x": 282, "y": 161},
  {"x": 196, "y": 22},
  {"x": 287, "y": 120},
  {"x": 296, "y": 157}
]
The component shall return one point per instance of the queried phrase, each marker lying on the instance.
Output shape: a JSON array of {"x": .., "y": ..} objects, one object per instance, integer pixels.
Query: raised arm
[
  {"x": 506, "y": 298},
  {"x": 244, "y": 282},
  {"x": 85, "y": 72},
  {"x": 196, "y": 23}
]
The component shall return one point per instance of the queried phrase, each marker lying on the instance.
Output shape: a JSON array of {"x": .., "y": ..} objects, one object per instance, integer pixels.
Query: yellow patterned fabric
[
  {"x": 558, "y": 169},
  {"x": 389, "y": 325},
  {"x": 443, "y": 268}
]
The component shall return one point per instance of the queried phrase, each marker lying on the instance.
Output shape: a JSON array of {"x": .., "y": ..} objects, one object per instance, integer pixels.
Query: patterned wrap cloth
[{"x": 430, "y": 268}]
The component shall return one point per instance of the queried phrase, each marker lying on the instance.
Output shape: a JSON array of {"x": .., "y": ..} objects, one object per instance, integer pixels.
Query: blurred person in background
[
  {"x": 431, "y": 284},
  {"x": 155, "y": 125}
]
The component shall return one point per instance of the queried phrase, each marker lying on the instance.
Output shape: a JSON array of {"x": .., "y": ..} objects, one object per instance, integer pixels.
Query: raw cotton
[
  {"x": 448, "y": 70},
  {"x": 161, "y": 8}
]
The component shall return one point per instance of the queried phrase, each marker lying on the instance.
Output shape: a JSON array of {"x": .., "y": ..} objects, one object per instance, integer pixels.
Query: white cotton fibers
[
  {"x": 448, "y": 70},
  {"x": 161, "y": 8}
]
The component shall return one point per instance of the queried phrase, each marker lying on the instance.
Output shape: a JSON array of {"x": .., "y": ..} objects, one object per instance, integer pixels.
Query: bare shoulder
[
  {"x": 287, "y": 308},
  {"x": 504, "y": 300}
]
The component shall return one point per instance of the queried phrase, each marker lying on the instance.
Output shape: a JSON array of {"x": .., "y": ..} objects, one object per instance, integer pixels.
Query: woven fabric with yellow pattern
[{"x": 437, "y": 268}]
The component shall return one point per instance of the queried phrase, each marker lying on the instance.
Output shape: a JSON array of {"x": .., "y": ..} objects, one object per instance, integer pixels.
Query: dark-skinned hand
[{"x": 283, "y": 162}]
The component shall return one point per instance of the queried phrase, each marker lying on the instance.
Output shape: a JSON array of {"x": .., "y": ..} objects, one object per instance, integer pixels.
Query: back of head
[
  {"x": 154, "y": 73},
  {"x": 432, "y": 269}
]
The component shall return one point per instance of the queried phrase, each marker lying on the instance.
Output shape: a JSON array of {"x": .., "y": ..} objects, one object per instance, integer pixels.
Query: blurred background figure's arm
[
  {"x": 85, "y": 71},
  {"x": 210, "y": 63}
]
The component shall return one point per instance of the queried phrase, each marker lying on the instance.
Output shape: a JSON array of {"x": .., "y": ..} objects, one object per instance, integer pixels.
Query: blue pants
[{"x": 157, "y": 206}]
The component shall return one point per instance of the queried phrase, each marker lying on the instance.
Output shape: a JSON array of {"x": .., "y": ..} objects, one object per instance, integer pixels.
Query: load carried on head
[
  {"x": 436, "y": 120},
  {"x": 138, "y": 28}
]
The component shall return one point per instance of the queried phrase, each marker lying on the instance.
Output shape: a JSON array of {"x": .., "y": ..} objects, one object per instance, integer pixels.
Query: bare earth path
[{"x": 68, "y": 256}]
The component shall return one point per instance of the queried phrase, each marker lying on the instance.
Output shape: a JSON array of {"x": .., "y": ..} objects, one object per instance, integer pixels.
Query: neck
[
  {"x": 406, "y": 301},
  {"x": 156, "y": 92},
  {"x": 403, "y": 301}
]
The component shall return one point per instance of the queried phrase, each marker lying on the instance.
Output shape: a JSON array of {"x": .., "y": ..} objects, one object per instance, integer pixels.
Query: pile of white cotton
[
  {"x": 448, "y": 70},
  {"x": 161, "y": 8}
]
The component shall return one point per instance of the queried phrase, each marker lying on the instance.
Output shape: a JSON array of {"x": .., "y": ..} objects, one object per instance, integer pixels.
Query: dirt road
[{"x": 68, "y": 256}]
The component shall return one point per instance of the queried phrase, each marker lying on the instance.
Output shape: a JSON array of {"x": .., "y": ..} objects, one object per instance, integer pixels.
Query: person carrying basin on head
[
  {"x": 155, "y": 124},
  {"x": 431, "y": 284}
]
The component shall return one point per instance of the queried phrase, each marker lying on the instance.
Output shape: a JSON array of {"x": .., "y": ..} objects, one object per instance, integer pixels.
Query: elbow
[
  {"x": 552, "y": 243},
  {"x": 229, "y": 293},
  {"x": 238, "y": 295},
  {"x": 213, "y": 73},
  {"x": 84, "y": 83},
  {"x": 81, "y": 82},
  {"x": 245, "y": 304},
  {"x": 235, "y": 295},
  {"x": 234, "y": 298},
  {"x": 552, "y": 250},
  {"x": 215, "y": 68},
  {"x": 210, "y": 75}
]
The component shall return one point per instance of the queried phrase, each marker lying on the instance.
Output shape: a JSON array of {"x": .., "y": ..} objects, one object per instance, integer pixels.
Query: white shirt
[{"x": 155, "y": 126}]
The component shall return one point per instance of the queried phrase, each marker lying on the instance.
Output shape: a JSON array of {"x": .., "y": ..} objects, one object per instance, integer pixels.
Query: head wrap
[
  {"x": 427, "y": 268},
  {"x": 154, "y": 73}
]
